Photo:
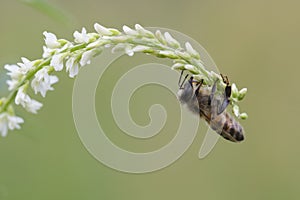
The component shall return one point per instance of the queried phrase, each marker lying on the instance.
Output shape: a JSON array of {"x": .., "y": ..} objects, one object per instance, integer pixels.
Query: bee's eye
[{"x": 228, "y": 91}]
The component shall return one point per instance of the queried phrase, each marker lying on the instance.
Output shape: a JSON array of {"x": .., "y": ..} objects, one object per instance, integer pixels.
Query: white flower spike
[{"x": 71, "y": 55}]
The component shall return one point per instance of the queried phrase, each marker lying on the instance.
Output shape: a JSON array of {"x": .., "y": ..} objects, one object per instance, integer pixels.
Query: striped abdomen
[{"x": 225, "y": 125}]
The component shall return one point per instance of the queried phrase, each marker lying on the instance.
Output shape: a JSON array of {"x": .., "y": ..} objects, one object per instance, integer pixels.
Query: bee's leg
[
  {"x": 213, "y": 90},
  {"x": 213, "y": 101},
  {"x": 224, "y": 105},
  {"x": 198, "y": 87},
  {"x": 181, "y": 84}
]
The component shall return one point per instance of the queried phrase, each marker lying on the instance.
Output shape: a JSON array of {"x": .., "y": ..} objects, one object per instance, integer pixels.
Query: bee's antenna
[
  {"x": 180, "y": 84},
  {"x": 228, "y": 87},
  {"x": 225, "y": 79}
]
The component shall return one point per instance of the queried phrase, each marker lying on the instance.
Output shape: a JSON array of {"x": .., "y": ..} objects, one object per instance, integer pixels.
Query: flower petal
[
  {"x": 57, "y": 62},
  {"x": 51, "y": 40},
  {"x": 101, "y": 29}
]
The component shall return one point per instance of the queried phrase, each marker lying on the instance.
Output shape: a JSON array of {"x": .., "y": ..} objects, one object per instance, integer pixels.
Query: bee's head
[{"x": 185, "y": 93}]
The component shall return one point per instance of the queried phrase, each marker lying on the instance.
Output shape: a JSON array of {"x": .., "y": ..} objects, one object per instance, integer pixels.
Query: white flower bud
[
  {"x": 242, "y": 94},
  {"x": 9, "y": 121},
  {"x": 191, "y": 50},
  {"x": 234, "y": 91},
  {"x": 236, "y": 110},
  {"x": 215, "y": 74},
  {"x": 191, "y": 68},
  {"x": 102, "y": 30},
  {"x": 183, "y": 55},
  {"x": 178, "y": 66},
  {"x": 114, "y": 31},
  {"x": 160, "y": 37},
  {"x": 47, "y": 52},
  {"x": 141, "y": 48},
  {"x": 141, "y": 30},
  {"x": 26, "y": 102},
  {"x": 171, "y": 41},
  {"x": 51, "y": 40},
  {"x": 72, "y": 67},
  {"x": 12, "y": 84},
  {"x": 14, "y": 71},
  {"x": 129, "y": 51},
  {"x": 42, "y": 81},
  {"x": 87, "y": 56},
  {"x": 57, "y": 61},
  {"x": 33, "y": 106},
  {"x": 25, "y": 66},
  {"x": 81, "y": 37},
  {"x": 243, "y": 116},
  {"x": 130, "y": 31},
  {"x": 169, "y": 54}
]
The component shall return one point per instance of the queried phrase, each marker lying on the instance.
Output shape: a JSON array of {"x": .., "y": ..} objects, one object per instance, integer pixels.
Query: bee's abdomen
[{"x": 232, "y": 130}]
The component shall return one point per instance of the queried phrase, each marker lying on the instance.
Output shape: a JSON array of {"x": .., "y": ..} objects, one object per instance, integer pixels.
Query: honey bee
[{"x": 204, "y": 101}]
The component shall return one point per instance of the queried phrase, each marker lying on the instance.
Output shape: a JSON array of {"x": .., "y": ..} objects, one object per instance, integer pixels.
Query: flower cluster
[{"x": 59, "y": 54}]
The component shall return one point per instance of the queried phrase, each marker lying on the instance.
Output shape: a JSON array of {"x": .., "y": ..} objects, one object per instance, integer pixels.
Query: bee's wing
[
  {"x": 225, "y": 102},
  {"x": 210, "y": 140}
]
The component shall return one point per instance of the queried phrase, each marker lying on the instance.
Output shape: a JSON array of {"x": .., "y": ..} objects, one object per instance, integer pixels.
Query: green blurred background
[{"x": 256, "y": 43}]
